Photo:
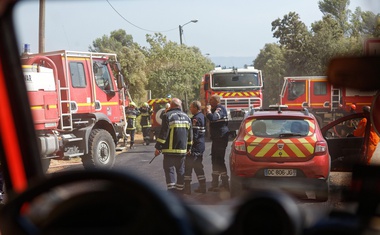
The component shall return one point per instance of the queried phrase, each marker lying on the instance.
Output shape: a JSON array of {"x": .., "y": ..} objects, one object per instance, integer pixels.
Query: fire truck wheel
[
  {"x": 45, "y": 164},
  {"x": 101, "y": 152}
]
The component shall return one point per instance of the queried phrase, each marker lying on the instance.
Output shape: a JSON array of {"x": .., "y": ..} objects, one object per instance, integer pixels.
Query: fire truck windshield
[
  {"x": 102, "y": 76},
  {"x": 232, "y": 80}
]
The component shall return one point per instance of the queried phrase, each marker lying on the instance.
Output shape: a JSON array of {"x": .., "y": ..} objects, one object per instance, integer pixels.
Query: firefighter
[
  {"x": 145, "y": 112},
  {"x": 195, "y": 157},
  {"x": 352, "y": 108},
  {"x": 131, "y": 113},
  {"x": 174, "y": 141},
  {"x": 373, "y": 137},
  {"x": 217, "y": 116}
]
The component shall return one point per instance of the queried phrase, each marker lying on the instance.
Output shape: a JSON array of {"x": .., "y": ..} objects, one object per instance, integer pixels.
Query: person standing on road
[
  {"x": 217, "y": 116},
  {"x": 145, "y": 112},
  {"x": 373, "y": 137},
  {"x": 131, "y": 113},
  {"x": 195, "y": 157},
  {"x": 174, "y": 141}
]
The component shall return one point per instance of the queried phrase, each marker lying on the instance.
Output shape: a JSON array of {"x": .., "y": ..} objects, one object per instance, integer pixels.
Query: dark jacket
[
  {"x": 145, "y": 117},
  {"x": 198, "y": 123},
  {"x": 175, "y": 137},
  {"x": 218, "y": 122},
  {"x": 131, "y": 114}
]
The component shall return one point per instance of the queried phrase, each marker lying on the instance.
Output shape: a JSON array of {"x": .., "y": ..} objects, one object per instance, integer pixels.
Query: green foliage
[
  {"x": 164, "y": 67},
  {"x": 131, "y": 59},
  {"x": 173, "y": 69},
  {"x": 306, "y": 52}
]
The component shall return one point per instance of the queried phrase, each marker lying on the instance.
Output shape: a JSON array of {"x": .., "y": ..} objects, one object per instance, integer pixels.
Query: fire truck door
[
  {"x": 106, "y": 99},
  {"x": 80, "y": 95},
  {"x": 320, "y": 94},
  {"x": 297, "y": 94}
]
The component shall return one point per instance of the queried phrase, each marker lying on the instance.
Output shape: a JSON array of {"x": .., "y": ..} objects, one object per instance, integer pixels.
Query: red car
[{"x": 281, "y": 147}]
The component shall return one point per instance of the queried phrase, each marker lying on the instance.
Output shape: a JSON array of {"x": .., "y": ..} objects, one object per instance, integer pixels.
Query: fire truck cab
[
  {"x": 240, "y": 90},
  {"x": 325, "y": 101},
  {"x": 77, "y": 101}
]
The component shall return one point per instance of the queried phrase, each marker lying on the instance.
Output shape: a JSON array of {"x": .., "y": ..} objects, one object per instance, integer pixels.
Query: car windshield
[
  {"x": 281, "y": 127},
  {"x": 91, "y": 68}
]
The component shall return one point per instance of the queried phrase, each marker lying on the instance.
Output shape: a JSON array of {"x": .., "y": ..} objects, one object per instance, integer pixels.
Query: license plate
[{"x": 280, "y": 172}]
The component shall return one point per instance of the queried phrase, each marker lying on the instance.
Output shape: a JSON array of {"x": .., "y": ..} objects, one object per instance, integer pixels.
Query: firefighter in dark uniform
[
  {"x": 174, "y": 141},
  {"x": 131, "y": 113},
  {"x": 145, "y": 112},
  {"x": 217, "y": 116},
  {"x": 195, "y": 157}
]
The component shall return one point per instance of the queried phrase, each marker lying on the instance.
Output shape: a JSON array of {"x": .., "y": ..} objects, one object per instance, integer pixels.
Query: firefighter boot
[
  {"x": 187, "y": 188},
  {"x": 225, "y": 183},
  {"x": 202, "y": 187},
  {"x": 214, "y": 183}
]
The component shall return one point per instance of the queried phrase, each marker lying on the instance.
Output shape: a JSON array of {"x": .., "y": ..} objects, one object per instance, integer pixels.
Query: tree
[
  {"x": 131, "y": 59},
  {"x": 271, "y": 61},
  {"x": 337, "y": 9},
  {"x": 294, "y": 38},
  {"x": 174, "y": 70}
]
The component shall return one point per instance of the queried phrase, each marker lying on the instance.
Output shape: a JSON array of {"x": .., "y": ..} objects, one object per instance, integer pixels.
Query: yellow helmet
[
  {"x": 132, "y": 104},
  {"x": 145, "y": 104}
]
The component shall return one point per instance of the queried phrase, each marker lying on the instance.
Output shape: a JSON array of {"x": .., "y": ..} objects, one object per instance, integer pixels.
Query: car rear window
[{"x": 280, "y": 127}]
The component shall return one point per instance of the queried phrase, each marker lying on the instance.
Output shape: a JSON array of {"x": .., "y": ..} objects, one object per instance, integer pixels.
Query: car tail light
[
  {"x": 239, "y": 147},
  {"x": 320, "y": 148}
]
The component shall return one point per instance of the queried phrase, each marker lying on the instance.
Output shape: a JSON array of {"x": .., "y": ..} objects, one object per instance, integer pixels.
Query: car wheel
[
  {"x": 236, "y": 187},
  {"x": 101, "y": 153},
  {"x": 322, "y": 192}
]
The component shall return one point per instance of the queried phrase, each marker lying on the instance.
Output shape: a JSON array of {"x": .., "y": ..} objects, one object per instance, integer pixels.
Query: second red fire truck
[
  {"x": 324, "y": 100},
  {"x": 240, "y": 90}
]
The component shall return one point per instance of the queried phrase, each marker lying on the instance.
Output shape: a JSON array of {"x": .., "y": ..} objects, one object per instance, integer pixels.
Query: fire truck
[
  {"x": 324, "y": 100},
  {"x": 77, "y": 101},
  {"x": 240, "y": 90},
  {"x": 158, "y": 107}
]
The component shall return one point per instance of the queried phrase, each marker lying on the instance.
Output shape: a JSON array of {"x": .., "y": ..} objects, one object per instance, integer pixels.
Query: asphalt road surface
[{"x": 220, "y": 205}]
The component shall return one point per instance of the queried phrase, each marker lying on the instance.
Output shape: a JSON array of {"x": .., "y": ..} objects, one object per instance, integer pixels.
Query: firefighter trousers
[
  {"x": 174, "y": 168},
  {"x": 194, "y": 161},
  {"x": 218, "y": 152}
]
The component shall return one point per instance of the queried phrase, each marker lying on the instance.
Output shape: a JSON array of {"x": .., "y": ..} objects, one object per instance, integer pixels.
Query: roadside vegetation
[{"x": 167, "y": 68}]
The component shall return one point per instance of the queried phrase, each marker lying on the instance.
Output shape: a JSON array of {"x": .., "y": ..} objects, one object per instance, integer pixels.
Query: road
[{"x": 219, "y": 204}]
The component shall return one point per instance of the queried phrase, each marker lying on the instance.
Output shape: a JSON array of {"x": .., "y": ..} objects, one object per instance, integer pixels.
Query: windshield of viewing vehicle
[
  {"x": 288, "y": 39},
  {"x": 281, "y": 127},
  {"x": 235, "y": 80}
]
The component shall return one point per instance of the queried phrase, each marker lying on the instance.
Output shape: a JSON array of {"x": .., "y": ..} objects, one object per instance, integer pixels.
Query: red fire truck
[
  {"x": 240, "y": 90},
  {"x": 77, "y": 101},
  {"x": 324, "y": 100}
]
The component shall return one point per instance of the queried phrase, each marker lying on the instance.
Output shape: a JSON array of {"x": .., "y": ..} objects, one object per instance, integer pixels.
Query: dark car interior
[{"x": 113, "y": 202}]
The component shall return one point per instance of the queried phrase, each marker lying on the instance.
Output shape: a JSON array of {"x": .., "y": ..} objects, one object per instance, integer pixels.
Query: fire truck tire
[
  {"x": 45, "y": 164},
  {"x": 101, "y": 152}
]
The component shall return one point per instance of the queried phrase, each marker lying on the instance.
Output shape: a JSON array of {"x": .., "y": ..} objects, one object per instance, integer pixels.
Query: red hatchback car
[{"x": 283, "y": 147}]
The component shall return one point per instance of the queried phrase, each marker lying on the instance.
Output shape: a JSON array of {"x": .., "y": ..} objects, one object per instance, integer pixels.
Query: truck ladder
[
  {"x": 66, "y": 119},
  {"x": 335, "y": 98}
]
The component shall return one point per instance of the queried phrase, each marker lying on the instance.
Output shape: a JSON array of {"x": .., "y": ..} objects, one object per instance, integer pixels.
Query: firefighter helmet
[
  {"x": 353, "y": 106},
  {"x": 132, "y": 104},
  {"x": 145, "y": 104}
]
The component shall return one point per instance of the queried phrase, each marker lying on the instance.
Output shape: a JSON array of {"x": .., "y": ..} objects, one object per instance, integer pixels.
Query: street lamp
[{"x": 181, "y": 30}]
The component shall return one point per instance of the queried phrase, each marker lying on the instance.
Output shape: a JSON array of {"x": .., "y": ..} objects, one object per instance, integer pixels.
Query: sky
[{"x": 225, "y": 28}]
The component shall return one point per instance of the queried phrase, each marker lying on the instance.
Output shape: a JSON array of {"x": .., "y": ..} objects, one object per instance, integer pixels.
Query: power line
[{"x": 154, "y": 31}]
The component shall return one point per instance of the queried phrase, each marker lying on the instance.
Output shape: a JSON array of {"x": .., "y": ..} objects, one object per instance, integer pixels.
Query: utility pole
[{"x": 41, "y": 33}]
